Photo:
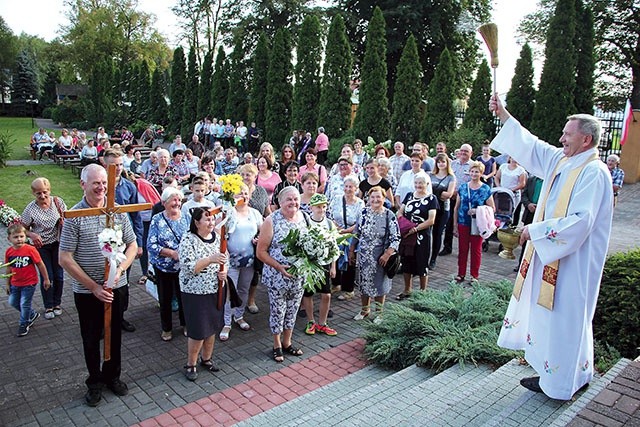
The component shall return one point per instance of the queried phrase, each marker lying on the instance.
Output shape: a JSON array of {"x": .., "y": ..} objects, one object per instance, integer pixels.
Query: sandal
[
  {"x": 403, "y": 296},
  {"x": 364, "y": 313},
  {"x": 459, "y": 279},
  {"x": 224, "y": 334},
  {"x": 277, "y": 355},
  {"x": 208, "y": 364},
  {"x": 294, "y": 351},
  {"x": 142, "y": 280},
  {"x": 190, "y": 372},
  {"x": 243, "y": 324}
]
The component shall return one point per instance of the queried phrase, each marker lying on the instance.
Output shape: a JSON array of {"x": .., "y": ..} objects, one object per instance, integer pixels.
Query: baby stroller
[{"x": 505, "y": 202}]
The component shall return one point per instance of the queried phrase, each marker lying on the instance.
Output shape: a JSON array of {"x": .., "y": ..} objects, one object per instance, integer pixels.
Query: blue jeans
[
  {"x": 20, "y": 298},
  {"x": 53, "y": 296}
]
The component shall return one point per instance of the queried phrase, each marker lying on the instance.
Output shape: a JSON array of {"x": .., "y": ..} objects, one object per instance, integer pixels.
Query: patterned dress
[
  {"x": 285, "y": 294},
  {"x": 416, "y": 210},
  {"x": 374, "y": 239}
]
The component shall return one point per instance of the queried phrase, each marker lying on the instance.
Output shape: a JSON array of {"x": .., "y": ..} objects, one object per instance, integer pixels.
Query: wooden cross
[{"x": 110, "y": 210}]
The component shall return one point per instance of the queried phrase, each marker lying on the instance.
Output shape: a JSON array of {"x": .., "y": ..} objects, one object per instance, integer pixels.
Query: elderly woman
[
  {"x": 200, "y": 260},
  {"x": 242, "y": 229},
  {"x": 347, "y": 153},
  {"x": 345, "y": 213},
  {"x": 405, "y": 184},
  {"x": 384, "y": 167},
  {"x": 165, "y": 232},
  {"x": 311, "y": 165},
  {"x": 285, "y": 290},
  {"x": 443, "y": 183},
  {"x": 378, "y": 239},
  {"x": 470, "y": 195},
  {"x": 155, "y": 176},
  {"x": 42, "y": 218},
  {"x": 416, "y": 216}
]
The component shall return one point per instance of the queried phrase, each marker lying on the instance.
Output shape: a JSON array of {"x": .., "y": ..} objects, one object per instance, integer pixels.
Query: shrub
[
  {"x": 46, "y": 113},
  {"x": 438, "y": 329},
  {"x": 6, "y": 142},
  {"x": 68, "y": 112},
  {"x": 617, "y": 319},
  {"x": 473, "y": 136},
  {"x": 336, "y": 145}
]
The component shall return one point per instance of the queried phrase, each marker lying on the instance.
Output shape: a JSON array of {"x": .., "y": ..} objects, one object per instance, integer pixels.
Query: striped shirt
[{"x": 80, "y": 237}]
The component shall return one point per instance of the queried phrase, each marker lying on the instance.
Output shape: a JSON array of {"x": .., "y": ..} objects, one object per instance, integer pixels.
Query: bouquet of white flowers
[
  {"x": 112, "y": 247},
  {"x": 309, "y": 249},
  {"x": 8, "y": 215}
]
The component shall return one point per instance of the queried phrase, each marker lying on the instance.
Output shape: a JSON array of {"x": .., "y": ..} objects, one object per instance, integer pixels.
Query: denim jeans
[
  {"x": 20, "y": 298},
  {"x": 51, "y": 297}
]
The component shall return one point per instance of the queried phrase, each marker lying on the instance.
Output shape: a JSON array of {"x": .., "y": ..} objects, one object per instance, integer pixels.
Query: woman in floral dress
[{"x": 378, "y": 239}]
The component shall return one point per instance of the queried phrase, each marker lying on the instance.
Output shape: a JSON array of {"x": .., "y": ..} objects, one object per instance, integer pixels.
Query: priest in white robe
[{"x": 550, "y": 314}]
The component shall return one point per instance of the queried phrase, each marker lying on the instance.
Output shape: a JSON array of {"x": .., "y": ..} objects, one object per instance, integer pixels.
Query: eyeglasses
[{"x": 343, "y": 164}]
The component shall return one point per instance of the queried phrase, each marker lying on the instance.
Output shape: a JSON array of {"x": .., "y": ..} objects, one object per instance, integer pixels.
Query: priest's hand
[
  {"x": 525, "y": 235},
  {"x": 495, "y": 106}
]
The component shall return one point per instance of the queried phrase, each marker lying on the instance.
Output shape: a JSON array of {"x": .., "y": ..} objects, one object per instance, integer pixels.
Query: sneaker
[
  {"x": 118, "y": 387},
  {"x": 22, "y": 330},
  {"x": 346, "y": 296},
  {"x": 311, "y": 328},
  {"x": 326, "y": 329},
  {"x": 33, "y": 319},
  {"x": 93, "y": 395},
  {"x": 49, "y": 314},
  {"x": 57, "y": 311}
]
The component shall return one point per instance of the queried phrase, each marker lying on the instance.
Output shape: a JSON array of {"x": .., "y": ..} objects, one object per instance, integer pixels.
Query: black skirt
[{"x": 201, "y": 315}]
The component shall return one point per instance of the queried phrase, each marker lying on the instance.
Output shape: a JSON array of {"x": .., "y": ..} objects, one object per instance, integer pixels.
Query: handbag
[
  {"x": 474, "y": 224},
  {"x": 60, "y": 223},
  {"x": 393, "y": 264}
]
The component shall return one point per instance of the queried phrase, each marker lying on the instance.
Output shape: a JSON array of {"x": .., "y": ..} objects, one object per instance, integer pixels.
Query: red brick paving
[{"x": 260, "y": 394}]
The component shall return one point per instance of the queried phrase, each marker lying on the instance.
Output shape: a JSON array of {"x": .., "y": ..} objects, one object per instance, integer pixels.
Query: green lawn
[
  {"x": 15, "y": 184},
  {"x": 20, "y": 130}
]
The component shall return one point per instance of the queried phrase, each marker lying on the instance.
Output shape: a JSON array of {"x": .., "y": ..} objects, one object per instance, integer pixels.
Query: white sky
[{"x": 43, "y": 18}]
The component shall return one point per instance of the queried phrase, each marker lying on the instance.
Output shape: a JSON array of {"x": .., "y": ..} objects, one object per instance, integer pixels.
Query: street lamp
[{"x": 33, "y": 101}]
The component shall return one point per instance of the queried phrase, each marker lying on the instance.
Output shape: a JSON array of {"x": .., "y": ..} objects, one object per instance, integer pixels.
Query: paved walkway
[{"x": 42, "y": 374}]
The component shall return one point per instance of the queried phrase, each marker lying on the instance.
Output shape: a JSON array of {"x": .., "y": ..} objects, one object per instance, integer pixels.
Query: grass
[
  {"x": 15, "y": 184},
  {"x": 21, "y": 131}
]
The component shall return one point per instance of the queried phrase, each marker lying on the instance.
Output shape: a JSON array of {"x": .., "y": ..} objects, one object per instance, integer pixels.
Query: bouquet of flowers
[
  {"x": 112, "y": 247},
  {"x": 230, "y": 187},
  {"x": 309, "y": 249},
  {"x": 8, "y": 215}
]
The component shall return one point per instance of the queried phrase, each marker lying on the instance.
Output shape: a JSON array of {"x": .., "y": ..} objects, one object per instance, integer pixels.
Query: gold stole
[{"x": 550, "y": 271}]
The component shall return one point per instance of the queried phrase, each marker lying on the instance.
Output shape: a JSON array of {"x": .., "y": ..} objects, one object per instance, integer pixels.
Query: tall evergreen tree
[
  {"x": 335, "y": 94},
  {"x": 372, "y": 118},
  {"x": 279, "y": 90},
  {"x": 260, "y": 69},
  {"x": 220, "y": 85},
  {"x": 521, "y": 96},
  {"x": 585, "y": 65},
  {"x": 407, "y": 97},
  {"x": 477, "y": 114},
  {"x": 440, "y": 114},
  {"x": 158, "y": 112},
  {"x": 204, "y": 89},
  {"x": 100, "y": 84},
  {"x": 237, "y": 100},
  {"x": 142, "y": 95},
  {"x": 25, "y": 84},
  {"x": 49, "y": 89},
  {"x": 555, "y": 99},
  {"x": 177, "y": 90},
  {"x": 306, "y": 93},
  {"x": 189, "y": 111}
]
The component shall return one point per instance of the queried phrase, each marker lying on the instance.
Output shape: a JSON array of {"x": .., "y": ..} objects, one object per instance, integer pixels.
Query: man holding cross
[{"x": 81, "y": 257}]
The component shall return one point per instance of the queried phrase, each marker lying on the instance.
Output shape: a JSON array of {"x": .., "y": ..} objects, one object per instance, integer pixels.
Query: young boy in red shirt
[{"x": 22, "y": 276}]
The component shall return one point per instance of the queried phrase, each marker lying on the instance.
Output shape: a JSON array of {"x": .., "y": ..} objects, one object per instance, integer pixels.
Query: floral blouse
[
  {"x": 193, "y": 248},
  {"x": 165, "y": 233},
  {"x": 470, "y": 198}
]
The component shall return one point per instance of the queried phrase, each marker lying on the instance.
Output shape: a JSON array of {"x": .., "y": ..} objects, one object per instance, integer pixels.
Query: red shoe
[{"x": 326, "y": 329}]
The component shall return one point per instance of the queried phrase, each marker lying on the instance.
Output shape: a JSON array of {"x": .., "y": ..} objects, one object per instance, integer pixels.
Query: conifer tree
[
  {"x": 407, "y": 97},
  {"x": 555, "y": 97},
  {"x": 335, "y": 94},
  {"x": 189, "y": 111},
  {"x": 260, "y": 68},
  {"x": 372, "y": 118},
  {"x": 142, "y": 94},
  {"x": 521, "y": 96},
  {"x": 306, "y": 93},
  {"x": 25, "y": 84},
  {"x": 204, "y": 88},
  {"x": 220, "y": 85},
  {"x": 440, "y": 114},
  {"x": 585, "y": 65},
  {"x": 157, "y": 103},
  {"x": 279, "y": 90},
  {"x": 477, "y": 114},
  {"x": 237, "y": 100},
  {"x": 177, "y": 90}
]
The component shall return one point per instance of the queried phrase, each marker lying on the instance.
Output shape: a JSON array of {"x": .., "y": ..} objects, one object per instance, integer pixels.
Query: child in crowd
[
  {"x": 318, "y": 204},
  {"x": 22, "y": 276},
  {"x": 198, "y": 190}
]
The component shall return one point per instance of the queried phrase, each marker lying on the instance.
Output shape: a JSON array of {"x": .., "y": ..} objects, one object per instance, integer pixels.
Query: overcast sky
[{"x": 44, "y": 17}]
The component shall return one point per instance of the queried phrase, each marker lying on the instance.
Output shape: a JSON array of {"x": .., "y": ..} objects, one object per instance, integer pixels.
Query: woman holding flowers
[
  {"x": 285, "y": 290},
  {"x": 200, "y": 260},
  {"x": 165, "y": 232},
  {"x": 378, "y": 239}
]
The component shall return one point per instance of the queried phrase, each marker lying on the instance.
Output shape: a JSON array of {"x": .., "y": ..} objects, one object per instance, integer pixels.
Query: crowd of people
[{"x": 398, "y": 209}]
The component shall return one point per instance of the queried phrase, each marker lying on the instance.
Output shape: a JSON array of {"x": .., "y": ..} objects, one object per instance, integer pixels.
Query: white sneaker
[
  {"x": 57, "y": 311},
  {"x": 49, "y": 314}
]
